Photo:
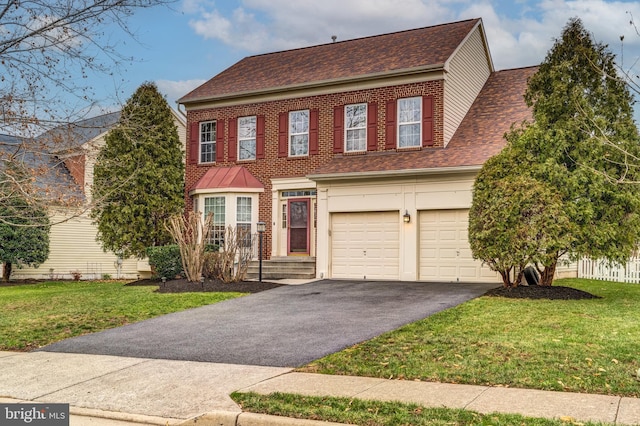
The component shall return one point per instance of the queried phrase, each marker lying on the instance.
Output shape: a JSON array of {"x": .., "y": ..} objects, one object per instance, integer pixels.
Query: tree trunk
[
  {"x": 518, "y": 279},
  {"x": 6, "y": 271},
  {"x": 546, "y": 278},
  {"x": 506, "y": 280}
]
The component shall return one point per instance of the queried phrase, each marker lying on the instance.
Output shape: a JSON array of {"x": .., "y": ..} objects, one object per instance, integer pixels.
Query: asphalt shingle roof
[
  {"x": 73, "y": 135},
  {"x": 479, "y": 137},
  {"x": 386, "y": 53}
]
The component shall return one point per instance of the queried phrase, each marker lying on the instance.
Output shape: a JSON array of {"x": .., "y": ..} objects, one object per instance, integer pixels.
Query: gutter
[{"x": 324, "y": 177}]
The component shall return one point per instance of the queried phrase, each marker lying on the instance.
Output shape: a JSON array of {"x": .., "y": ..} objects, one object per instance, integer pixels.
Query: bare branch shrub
[
  {"x": 232, "y": 262},
  {"x": 190, "y": 233}
]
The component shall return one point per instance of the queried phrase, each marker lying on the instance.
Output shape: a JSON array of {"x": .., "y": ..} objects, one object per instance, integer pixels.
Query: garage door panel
[
  {"x": 445, "y": 254},
  {"x": 365, "y": 245}
]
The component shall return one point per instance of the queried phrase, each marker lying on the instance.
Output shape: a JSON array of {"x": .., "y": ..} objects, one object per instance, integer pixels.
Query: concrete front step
[{"x": 284, "y": 267}]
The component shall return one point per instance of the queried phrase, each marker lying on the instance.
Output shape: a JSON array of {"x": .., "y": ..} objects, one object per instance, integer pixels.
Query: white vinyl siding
[
  {"x": 468, "y": 72},
  {"x": 73, "y": 247}
]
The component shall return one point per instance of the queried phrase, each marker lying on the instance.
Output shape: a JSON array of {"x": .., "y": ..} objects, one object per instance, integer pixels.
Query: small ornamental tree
[
  {"x": 24, "y": 238},
  {"x": 139, "y": 176},
  {"x": 515, "y": 220}
]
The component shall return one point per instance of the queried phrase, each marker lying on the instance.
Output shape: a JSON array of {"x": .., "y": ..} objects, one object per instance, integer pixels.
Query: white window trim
[
  {"x": 364, "y": 127},
  {"x": 231, "y": 205},
  {"x": 254, "y": 138},
  {"x": 290, "y": 134},
  {"x": 419, "y": 123},
  {"x": 216, "y": 238},
  {"x": 212, "y": 142}
]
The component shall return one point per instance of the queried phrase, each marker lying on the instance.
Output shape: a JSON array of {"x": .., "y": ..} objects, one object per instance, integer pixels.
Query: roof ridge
[{"x": 361, "y": 38}]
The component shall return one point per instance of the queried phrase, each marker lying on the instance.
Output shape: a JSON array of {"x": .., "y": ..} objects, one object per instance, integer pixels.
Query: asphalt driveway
[{"x": 285, "y": 327}]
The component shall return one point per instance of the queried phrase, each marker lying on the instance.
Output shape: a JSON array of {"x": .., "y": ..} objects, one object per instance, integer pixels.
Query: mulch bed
[
  {"x": 541, "y": 292},
  {"x": 183, "y": 286}
]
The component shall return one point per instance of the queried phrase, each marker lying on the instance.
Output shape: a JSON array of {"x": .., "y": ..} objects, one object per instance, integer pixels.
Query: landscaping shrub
[{"x": 165, "y": 261}]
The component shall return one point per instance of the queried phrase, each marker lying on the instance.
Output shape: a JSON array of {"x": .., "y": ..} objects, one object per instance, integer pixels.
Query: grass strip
[{"x": 378, "y": 413}]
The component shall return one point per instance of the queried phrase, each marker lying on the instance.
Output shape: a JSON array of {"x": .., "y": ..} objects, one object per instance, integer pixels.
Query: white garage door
[
  {"x": 365, "y": 245},
  {"x": 445, "y": 254}
]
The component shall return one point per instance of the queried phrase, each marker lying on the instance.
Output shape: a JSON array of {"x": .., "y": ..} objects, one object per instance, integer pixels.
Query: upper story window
[
  {"x": 247, "y": 138},
  {"x": 207, "y": 141},
  {"x": 409, "y": 122},
  {"x": 355, "y": 125},
  {"x": 299, "y": 133}
]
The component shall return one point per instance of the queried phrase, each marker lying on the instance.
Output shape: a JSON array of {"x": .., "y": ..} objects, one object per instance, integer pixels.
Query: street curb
[
  {"x": 228, "y": 418},
  {"x": 123, "y": 417}
]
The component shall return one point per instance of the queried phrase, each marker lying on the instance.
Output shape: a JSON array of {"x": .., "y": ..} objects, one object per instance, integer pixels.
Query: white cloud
[
  {"x": 174, "y": 90},
  {"x": 213, "y": 25},
  {"x": 519, "y": 33}
]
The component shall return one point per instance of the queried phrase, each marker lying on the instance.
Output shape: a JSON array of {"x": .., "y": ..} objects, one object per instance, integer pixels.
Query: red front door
[{"x": 298, "y": 232}]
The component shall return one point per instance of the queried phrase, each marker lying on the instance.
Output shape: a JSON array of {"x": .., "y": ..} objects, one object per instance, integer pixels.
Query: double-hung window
[
  {"x": 299, "y": 133},
  {"x": 247, "y": 138},
  {"x": 216, "y": 206},
  {"x": 207, "y": 141},
  {"x": 409, "y": 122},
  {"x": 243, "y": 220},
  {"x": 355, "y": 124}
]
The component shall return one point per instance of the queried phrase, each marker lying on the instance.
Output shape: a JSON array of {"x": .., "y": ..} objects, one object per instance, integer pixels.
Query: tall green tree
[
  {"x": 139, "y": 176},
  {"x": 24, "y": 233},
  {"x": 583, "y": 142}
]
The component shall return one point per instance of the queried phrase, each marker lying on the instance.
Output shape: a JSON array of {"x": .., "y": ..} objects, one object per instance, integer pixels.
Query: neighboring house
[
  {"x": 73, "y": 245},
  {"x": 360, "y": 154}
]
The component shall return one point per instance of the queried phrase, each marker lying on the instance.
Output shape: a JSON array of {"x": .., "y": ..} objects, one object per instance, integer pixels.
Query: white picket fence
[{"x": 601, "y": 270}]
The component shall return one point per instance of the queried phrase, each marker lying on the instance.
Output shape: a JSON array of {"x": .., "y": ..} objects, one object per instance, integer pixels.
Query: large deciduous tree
[
  {"x": 47, "y": 48},
  {"x": 139, "y": 176}
]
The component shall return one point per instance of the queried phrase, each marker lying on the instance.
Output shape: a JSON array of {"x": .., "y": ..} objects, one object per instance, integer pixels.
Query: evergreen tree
[
  {"x": 584, "y": 131},
  {"x": 24, "y": 236},
  {"x": 581, "y": 143},
  {"x": 515, "y": 219},
  {"x": 139, "y": 176}
]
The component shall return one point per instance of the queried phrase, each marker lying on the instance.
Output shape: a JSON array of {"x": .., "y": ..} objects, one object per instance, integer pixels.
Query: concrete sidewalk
[{"x": 108, "y": 390}]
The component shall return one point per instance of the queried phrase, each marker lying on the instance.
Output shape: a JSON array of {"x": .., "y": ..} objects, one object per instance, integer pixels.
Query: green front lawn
[
  {"x": 35, "y": 315},
  {"x": 588, "y": 346}
]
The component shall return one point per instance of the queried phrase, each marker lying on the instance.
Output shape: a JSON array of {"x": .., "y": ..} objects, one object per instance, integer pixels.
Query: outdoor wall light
[{"x": 406, "y": 217}]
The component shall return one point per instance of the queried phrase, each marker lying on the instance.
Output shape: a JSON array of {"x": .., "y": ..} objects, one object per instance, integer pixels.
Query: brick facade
[{"x": 273, "y": 166}]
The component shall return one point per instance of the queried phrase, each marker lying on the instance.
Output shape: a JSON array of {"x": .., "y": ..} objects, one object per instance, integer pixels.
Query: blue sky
[{"x": 181, "y": 46}]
